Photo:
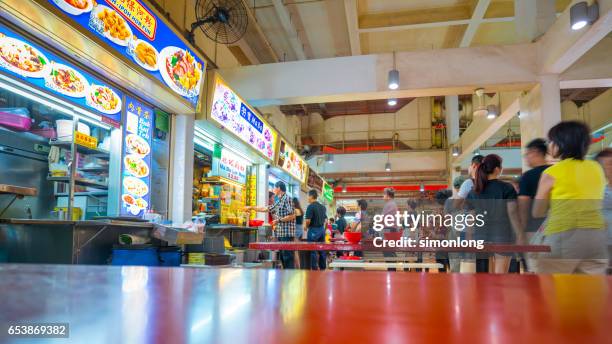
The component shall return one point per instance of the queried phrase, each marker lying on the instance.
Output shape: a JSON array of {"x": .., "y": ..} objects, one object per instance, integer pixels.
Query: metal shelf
[
  {"x": 78, "y": 181},
  {"x": 97, "y": 153},
  {"x": 85, "y": 193},
  {"x": 94, "y": 169}
]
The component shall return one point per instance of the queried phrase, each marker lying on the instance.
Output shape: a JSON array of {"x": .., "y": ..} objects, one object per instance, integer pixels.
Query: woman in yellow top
[{"x": 570, "y": 194}]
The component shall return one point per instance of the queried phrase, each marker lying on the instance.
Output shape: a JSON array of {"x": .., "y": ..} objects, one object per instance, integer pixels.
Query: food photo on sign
[
  {"x": 136, "y": 173},
  {"x": 47, "y": 71},
  {"x": 132, "y": 29}
]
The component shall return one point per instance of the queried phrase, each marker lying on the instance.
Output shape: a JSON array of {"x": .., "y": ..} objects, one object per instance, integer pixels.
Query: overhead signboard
[
  {"x": 235, "y": 115},
  {"x": 291, "y": 162},
  {"x": 40, "y": 68},
  {"x": 314, "y": 181},
  {"x": 136, "y": 171},
  {"x": 328, "y": 192},
  {"x": 133, "y": 30}
]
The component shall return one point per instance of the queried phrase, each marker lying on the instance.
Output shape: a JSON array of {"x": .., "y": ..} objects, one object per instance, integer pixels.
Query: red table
[
  {"x": 175, "y": 305},
  {"x": 311, "y": 246}
]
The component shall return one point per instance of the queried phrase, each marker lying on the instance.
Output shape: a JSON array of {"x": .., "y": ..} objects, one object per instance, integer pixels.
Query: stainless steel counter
[{"x": 64, "y": 242}]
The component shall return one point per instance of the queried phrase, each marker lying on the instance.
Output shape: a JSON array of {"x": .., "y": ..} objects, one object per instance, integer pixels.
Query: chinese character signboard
[
  {"x": 136, "y": 172},
  {"x": 314, "y": 180},
  {"x": 291, "y": 162},
  {"x": 133, "y": 30},
  {"x": 235, "y": 115},
  {"x": 229, "y": 165}
]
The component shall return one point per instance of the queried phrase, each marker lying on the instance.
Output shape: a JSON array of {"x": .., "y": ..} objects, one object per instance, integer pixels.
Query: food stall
[
  {"x": 240, "y": 145},
  {"x": 86, "y": 121},
  {"x": 290, "y": 168}
]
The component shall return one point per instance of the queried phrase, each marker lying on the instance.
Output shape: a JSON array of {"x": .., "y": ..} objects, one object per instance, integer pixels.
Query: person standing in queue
[
  {"x": 284, "y": 220},
  {"x": 570, "y": 195},
  {"x": 362, "y": 221},
  {"x": 314, "y": 221},
  {"x": 341, "y": 221},
  {"x": 496, "y": 200},
  {"x": 390, "y": 208},
  {"x": 299, "y": 231},
  {"x": 605, "y": 159},
  {"x": 535, "y": 157},
  {"x": 468, "y": 184}
]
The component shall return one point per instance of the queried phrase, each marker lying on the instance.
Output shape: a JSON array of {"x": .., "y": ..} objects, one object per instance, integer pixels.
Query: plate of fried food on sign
[
  {"x": 75, "y": 7},
  {"x": 144, "y": 54},
  {"x": 111, "y": 25}
]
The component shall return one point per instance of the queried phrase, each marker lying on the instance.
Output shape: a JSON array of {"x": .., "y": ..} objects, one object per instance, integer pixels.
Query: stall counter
[{"x": 63, "y": 242}]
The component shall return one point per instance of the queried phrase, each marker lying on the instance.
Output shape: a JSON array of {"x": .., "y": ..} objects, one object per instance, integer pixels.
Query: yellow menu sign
[
  {"x": 138, "y": 15},
  {"x": 85, "y": 140}
]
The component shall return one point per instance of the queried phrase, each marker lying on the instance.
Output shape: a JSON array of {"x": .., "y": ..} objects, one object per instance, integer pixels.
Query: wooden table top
[
  {"x": 368, "y": 246},
  {"x": 17, "y": 190},
  {"x": 108, "y": 304}
]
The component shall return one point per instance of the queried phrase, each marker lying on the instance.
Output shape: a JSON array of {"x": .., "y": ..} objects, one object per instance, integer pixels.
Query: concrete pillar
[
  {"x": 540, "y": 109},
  {"x": 533, "y": 18},
  {"x": 182, "y": 169},
  {"x": 262, "y": 189},
  {"x": 452, "y": 118},
  {"x": 451, "y": 104},
  {"x": 551, "y": 101}
]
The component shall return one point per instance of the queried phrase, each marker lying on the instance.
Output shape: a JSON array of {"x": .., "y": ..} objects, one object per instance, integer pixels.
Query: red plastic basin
[{"x": 352, "y": 237}]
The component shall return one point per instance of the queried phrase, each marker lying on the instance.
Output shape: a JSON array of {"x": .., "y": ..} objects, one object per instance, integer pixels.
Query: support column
[
  {"x": 262, "y": 189},
  {"x": 551, "y": 101},
  {"x": 540, "y": 109},
  {"x": 533, "y": 18},
  {"x": 182, "y": 169},
  {"x": 451, "y": 104}
]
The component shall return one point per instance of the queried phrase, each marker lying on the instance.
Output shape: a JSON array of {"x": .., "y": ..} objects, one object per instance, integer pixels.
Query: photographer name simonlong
[{"x": 459, "y": 222}]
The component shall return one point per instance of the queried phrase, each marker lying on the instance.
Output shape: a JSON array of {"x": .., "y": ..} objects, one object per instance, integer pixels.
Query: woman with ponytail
[{"x": 496, "y": 201}]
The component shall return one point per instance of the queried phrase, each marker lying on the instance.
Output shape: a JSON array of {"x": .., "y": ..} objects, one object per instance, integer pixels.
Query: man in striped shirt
[{"x": 284, "y": 220}]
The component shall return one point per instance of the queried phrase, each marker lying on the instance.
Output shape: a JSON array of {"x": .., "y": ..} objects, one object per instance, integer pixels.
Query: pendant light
[
  {"x": 393, "y": 79},
  {"x": 344, "y": 187},
  {"x": 422, "y": 187},
  {"x": 329, "y": 159}
]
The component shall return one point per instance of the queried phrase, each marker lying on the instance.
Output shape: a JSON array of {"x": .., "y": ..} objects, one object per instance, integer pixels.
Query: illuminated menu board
[
  {"x": 236, "y": 116},
  {"x": 132, "y": 29},
  {"x": 47, "y": 71},
  {"x": 136, "y": 171},
  {"x": 291, "y": 162}
]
